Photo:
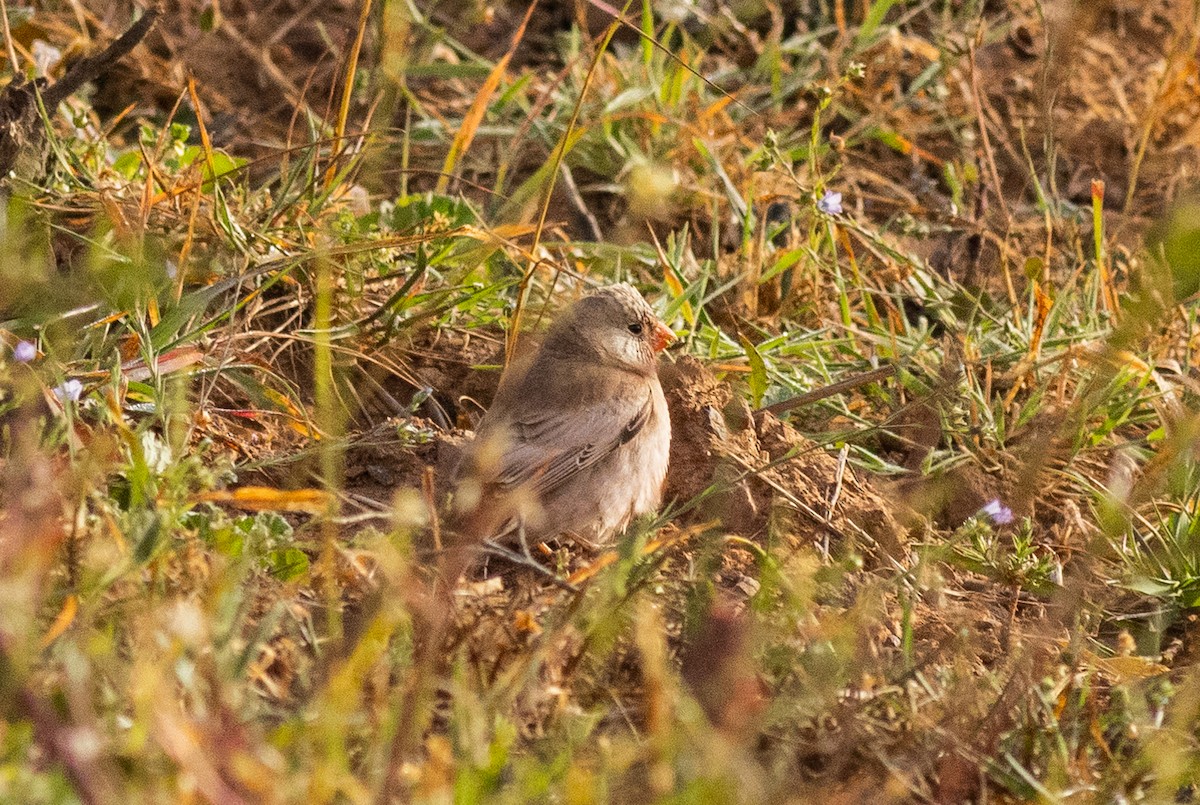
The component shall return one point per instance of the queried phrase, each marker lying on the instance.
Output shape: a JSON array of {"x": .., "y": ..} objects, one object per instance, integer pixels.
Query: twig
[
  {"x": 496, "y": 549},
  {"x": 427, "y": 488},
  {"x": 988, "y": 152},
  {"x": 93, "y": 67},
  {"x": 576, "y": 199},
  {"x": 8, "y": 40},
  {"x": 875, "y": 375},
  {"x": 843, "y": 454}
]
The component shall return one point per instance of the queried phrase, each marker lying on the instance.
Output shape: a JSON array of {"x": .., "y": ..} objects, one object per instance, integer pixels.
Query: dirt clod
[{"x": 757, "y": 465}]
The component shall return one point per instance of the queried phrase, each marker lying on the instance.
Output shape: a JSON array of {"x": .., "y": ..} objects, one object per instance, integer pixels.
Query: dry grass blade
[
  {"x": 618, "y": 17},
  {"x": 474, "y": 116},
  {"x": 556, "y": 159},
  {"x": 840, "y": 387},
  {"x": 348, "y": 90},
  {"x": 262, "y": 498}
]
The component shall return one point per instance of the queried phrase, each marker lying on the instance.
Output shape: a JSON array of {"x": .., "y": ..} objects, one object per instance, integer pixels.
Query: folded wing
[{"x": 547, "y": 450}]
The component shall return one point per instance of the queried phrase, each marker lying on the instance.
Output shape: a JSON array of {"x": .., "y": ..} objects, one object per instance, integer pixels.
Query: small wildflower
[
  {"x": 830, "y": 203},
  {"x": 172, "y": 270},
  {"x": 157, "y": 452},
  {"x": 358, "y": 199},
  {"x": 45, "y": 57},
  {"x": 24, "y": 351},
  {"x": 69, "y": 391},
  {"x": 997, "y": 512}
]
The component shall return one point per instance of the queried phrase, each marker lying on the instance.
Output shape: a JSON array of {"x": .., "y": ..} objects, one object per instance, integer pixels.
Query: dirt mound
[
  {"x": 752, "y": 472},
  {"x": 746, "y": 470}
]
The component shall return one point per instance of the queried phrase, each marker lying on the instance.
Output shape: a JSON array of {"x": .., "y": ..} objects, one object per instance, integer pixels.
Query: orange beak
[{"x": 661, "y": 336}]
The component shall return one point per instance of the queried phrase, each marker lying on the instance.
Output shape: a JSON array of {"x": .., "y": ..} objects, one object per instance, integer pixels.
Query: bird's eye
[{"x": 636, "y": 328}]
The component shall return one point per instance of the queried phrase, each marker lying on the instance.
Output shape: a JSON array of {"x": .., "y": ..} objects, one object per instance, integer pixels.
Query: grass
[{"x": 216, "y": 548}]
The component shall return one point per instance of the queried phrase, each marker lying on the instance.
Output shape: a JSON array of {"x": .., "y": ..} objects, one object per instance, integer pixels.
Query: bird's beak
[{"x": 661, "y": 336}]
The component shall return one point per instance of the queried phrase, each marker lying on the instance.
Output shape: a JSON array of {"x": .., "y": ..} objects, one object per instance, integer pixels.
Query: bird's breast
[{"x": 642, "y": 468}]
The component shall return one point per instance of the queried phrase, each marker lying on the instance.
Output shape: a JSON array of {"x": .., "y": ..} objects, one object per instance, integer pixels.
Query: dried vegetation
[{"x": 931, "y": 532}]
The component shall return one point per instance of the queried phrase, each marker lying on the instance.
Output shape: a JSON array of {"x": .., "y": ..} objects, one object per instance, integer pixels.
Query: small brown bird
[{"x": 577, "y": 439}]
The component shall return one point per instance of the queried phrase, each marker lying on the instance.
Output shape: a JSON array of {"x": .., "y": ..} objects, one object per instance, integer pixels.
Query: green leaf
[
  {"x": 149, "y": 540},
  {"x": 288, "y": 563},
  {"x": 871, "y": 21},
  {"x": 758, "y": 372},
  {"x": 128, "y": 164},
  {"x": 1034, "y": 268},
  {"x": 1149, "y": 586}
]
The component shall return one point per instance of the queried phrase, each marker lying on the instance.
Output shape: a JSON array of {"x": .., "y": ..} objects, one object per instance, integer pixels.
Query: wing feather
[{"x": 548, "y": 450}]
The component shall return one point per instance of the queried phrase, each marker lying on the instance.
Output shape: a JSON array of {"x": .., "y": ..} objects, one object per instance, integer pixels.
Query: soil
[{"x": 764, "y": 474}]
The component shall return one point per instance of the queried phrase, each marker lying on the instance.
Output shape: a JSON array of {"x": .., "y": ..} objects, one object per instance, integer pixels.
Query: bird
[{"x": 577, "y": 440}]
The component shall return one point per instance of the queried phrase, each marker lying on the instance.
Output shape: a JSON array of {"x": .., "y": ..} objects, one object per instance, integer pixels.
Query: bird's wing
[{"x": 547, "y": 449}]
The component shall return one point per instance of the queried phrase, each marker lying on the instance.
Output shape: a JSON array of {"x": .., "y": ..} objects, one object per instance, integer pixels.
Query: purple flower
[
  {"x": 69, "y": 391},
  {"x": 830, "y": 203},
  {"x": 997, "y": 512},
  {"x": 24, "y": 351}
]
